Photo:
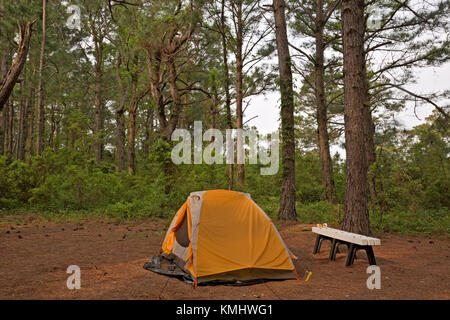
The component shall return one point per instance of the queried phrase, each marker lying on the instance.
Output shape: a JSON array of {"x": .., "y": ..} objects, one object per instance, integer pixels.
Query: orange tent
[{"x": 221, "y": 235}]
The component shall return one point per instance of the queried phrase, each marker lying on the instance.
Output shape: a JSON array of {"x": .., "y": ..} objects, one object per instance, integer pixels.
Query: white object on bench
[{"x": 347, "y": 236}]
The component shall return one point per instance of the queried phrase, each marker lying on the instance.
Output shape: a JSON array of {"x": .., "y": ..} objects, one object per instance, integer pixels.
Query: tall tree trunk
[
  {"x": 136, "y": 97},
  {"x": 9, "y": 132},
  {"x": 120, "y": 140},
  {"x": 131, "y": 139},
  {"x": 22, "y": 125},
  {"x": 287, "y": 199},
  {"x": 154, "y": 58},
  {"x": 19, "y": 132},
  {"x": 239, "y": 94},
  {"x": 30, "y": 127},
  {"x": 5, "y": 125},
  {"x": 98, "y": 36},
  {"x": 132, "y": 109},
  {"x": 120, "y": 120},
  {"x": 322, "y": 130},
  {"x": 177, "y": 106},
  {"x": 148, "y": 132},
  {"x": 51, "y": 136},
  {"x": 185, "y": 117},
  {"x": 4, "y": 64},
  {"x": 213, "y": 108},
  {"x": 5, "y": 60},
  {"x": 15, "y": 131},
  {"x": 227, "y": 87},
  {"x": 98, "y": 104},
  {"x": 356, "y": 216},
  {"x": 173, "y": 120},
  {"x": 57, "y": 132},
  {"x": 2, "y": 132},
  {"x": 7, "y": 84},
  {"x": 40, "y": 103}
]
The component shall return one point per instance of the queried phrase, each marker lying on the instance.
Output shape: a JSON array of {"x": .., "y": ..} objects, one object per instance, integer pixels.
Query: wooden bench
[{"x": 353, "y": 241}]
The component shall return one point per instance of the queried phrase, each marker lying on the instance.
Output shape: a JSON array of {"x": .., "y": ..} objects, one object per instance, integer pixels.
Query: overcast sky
[
  {"x": 428, "y": 80},
  {"x": 267, "y": 109}
]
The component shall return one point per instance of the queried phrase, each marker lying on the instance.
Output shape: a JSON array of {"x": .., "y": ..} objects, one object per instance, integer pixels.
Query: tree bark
[
  {"x": 213, "y": 108},
  {"x": 153, "y": 59},
  {"x": 132, "y": 109},
  {"x": 4, "y": 64},
  {"x": 154, "y": 67},
  {"x": 9, "y": 132},
  {"x": 5, "y": 126},
  {"x": 322, "y": 130},
  {"x": 51, "y": 136},
  {"x": 98, "y": 102},
  {"x": 22, "y": 129},
  {"x": 30, "y": 128},
  {"x": 120, "y": 140},
  {"x": 7, "y": 84},
  {"x": 148, "y": 132},
  {"x": 175, "y": 94},
  {"x": 131, "y": 140},
  {"x": 227, "y": 87},
  {"x": 2, "y": 132},
  {"x": 287, "y": 199},
  {"x": 356, "y": 216},
  {"x": 132, "y": 129},
  {"x": 136, "y": 97},
  {"x": 40, "y": 102},
  {"x": 20, "y": 120},
  {"x": 119, "y": 134},
  {"x": 4, "y": 60},
  {"x": 166, "y": 52},
  {"x": 239, "y": 94}
]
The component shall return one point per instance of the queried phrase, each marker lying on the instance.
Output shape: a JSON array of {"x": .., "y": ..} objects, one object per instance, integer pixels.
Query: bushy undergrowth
[
  {"x": 67, "y": 183},
  {"x": 424, "y": 221}
]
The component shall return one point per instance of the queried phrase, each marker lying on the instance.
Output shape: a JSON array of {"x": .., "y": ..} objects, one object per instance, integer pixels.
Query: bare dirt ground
[{"x": 34, "y": 256}]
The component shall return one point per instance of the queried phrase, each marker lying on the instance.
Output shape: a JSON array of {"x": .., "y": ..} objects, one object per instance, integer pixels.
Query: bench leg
[
  {"x": 317, "y": 245},
  {"x": 334, "y": 247},
  {"x": 370, "y": 256},
  {"x": 336, "y": 250},
  {"x": 355, "y": 249},
  {"x": 351, "y": 255}
]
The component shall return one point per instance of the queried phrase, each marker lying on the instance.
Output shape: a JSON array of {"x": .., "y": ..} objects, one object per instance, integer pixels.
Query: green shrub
[
  {"x": 412, "y": 222},
  {"x": 317, "y": 212}
]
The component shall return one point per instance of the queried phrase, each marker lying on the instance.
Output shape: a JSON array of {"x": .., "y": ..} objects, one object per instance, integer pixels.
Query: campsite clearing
[{"x": 36, "y": 254}]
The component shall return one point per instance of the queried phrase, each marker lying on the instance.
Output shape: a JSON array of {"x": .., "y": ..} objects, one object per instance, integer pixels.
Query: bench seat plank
[{"x": 347, "y": 236}]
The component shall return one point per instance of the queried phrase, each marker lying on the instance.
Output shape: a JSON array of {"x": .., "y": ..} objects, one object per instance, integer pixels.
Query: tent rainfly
[{"x": 221, "y": 236}]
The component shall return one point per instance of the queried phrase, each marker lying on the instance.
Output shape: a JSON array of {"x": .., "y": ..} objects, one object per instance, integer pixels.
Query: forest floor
[{"x": 35, "y": 253}]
